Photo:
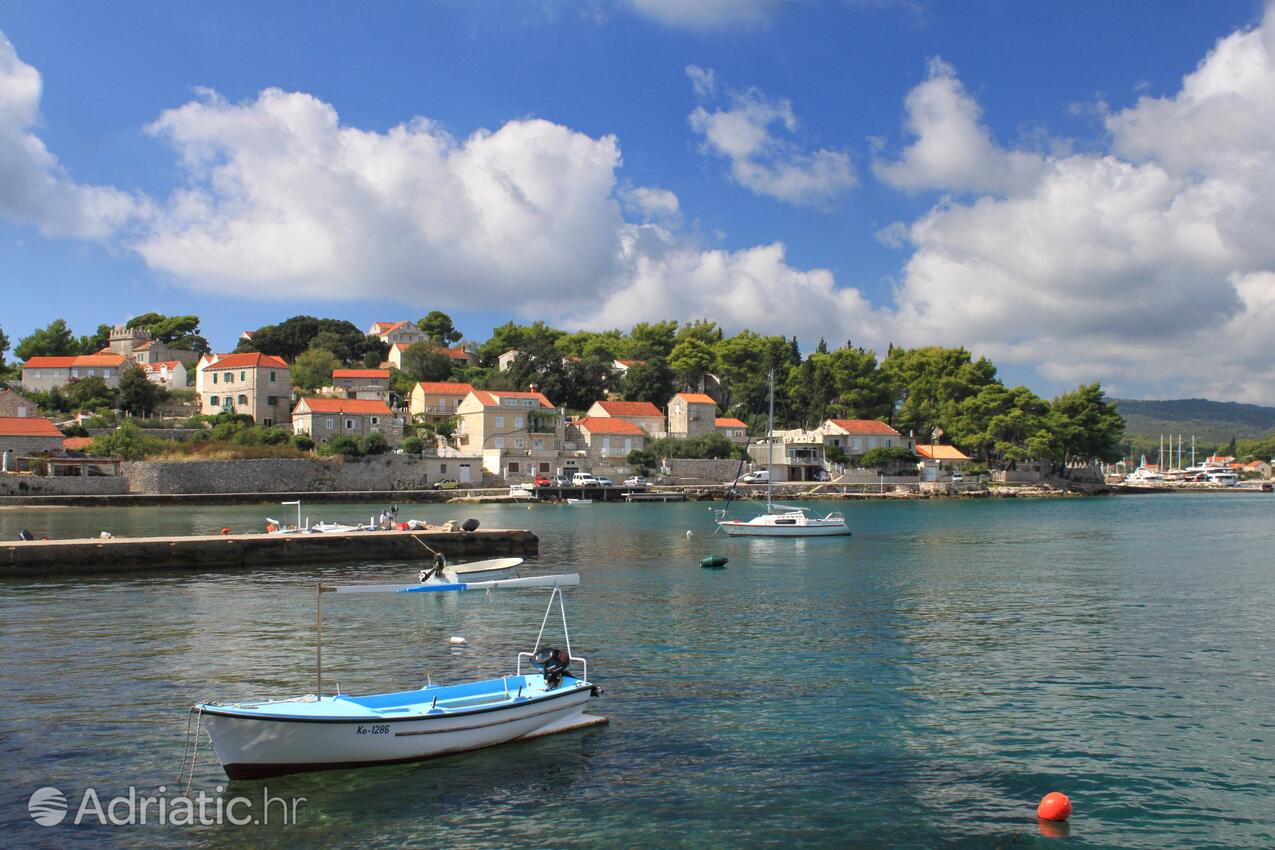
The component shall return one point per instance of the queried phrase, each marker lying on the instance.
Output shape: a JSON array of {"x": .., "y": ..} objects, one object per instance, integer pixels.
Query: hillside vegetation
[{"x": 1212, "y": 422}]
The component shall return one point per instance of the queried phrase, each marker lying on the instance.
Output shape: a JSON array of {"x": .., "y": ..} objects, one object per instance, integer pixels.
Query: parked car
[
  {"x": 761, "y": 476},
  {"x": 603, "y": 481},
  {"x": 635, "y": 481},
  {"x": 559, "y": 481},
  {"x": 540, "y": 481},
  {"x": 584, "y": 479},
  {"x": 957, "y": 478},
  {"x": 446, "y": 484}
]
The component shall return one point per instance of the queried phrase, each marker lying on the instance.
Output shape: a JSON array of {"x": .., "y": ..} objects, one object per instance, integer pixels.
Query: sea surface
[{"x": 920, "y": 684}]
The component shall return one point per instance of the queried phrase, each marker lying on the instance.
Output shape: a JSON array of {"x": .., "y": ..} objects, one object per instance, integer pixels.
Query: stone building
[
  {"x": 325, "y": 418},
  {"x": 438, "y": 398},
  {"x": 361, "y": 383},
  {"x": 46, "y": 373},
  {"x": 259, "y": 385},
  {"x": 643, "y": 414},
  {"x": 22, "y": 436},
  {"x": 691, "y": 414},
  {"x": 17, "y": 405}
]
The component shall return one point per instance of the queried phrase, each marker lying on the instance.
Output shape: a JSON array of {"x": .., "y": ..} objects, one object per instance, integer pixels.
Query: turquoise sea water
[{"x": 921, "y": 684}]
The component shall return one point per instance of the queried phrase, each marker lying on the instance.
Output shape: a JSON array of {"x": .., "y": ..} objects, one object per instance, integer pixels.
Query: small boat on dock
[
  {"x": 579, "y": 501},
  {"x": 318, "y": 732}
]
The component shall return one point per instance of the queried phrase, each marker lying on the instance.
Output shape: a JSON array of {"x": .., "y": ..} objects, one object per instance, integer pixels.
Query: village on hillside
[{"x": 533, "y": 404}]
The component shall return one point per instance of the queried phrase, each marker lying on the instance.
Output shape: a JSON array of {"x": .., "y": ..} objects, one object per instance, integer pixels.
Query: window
[
  {"x": 544, "y": 467},
  {"x": 517, "y": 421},
  {"x": 272, "y": 376},
  {"x": 538, "y": 443},
  {"x": 214, "y": 401},
  {"x": 214, "y": 374},
  {"x": 267, "y": 422},
  {"x": 513, "y": 466},
  {"x": 329, "y": 423},
  {"x": 272, "y": 400},
  {"x": 519, "y": 443},
  {"x": 243, "y": 400},
  {"x": 442, "y": 469},
  {"x": 349, "y": 424},
  {"x": 500, "y": 442},
  {"x": 241, "y": 377},
  {"x": 500, "y": 422},
  {"x": 376, "y": 420},
  {"x": 872, "y": 442}
]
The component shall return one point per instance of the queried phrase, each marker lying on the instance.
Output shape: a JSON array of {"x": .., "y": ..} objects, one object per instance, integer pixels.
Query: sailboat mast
[{"x": 770, "y": 464}]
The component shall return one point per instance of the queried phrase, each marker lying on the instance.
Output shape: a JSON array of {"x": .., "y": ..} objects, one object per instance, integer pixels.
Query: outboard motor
[
  {"x": 440, "y": 564},
  {"x": 554, "y": 663},
  {"x": 470, "y": 524},
  {"x": 25, "y": 535}
]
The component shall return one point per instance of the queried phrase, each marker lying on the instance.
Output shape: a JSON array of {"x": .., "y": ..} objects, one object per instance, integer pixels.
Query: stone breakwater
[{"x": 41, "y": 558}]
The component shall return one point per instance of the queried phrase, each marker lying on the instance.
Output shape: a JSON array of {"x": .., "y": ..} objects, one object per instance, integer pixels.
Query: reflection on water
[{"x": 922, "y": 683}]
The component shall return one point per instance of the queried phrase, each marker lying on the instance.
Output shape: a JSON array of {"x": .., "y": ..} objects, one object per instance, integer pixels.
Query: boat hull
[
  {"x": 260, "y": 747},
  {"x": 744, "y": 529}
]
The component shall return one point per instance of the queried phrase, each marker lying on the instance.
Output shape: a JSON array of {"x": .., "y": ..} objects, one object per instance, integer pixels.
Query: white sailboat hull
[
  {"x": 766, "y": 526},
  {"x": 258, "y": 747}
]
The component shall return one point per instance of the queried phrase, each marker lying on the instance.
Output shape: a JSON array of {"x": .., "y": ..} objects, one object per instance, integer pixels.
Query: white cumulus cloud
[
  {"x": 762, "y": 160},
  {"x": 1149, "y": 266},
  {"x": 36, "y": 190}
]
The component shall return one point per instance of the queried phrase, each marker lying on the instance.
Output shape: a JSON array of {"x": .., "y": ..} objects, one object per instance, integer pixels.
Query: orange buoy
[{"x": 1054, "y": 806}]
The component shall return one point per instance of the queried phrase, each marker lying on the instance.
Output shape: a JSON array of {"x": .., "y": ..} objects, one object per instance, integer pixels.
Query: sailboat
[{"x": 781, "y": 520}]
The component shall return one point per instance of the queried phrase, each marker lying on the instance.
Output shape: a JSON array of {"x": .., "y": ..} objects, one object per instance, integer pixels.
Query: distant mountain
[{"x": 1209, "y": 421}]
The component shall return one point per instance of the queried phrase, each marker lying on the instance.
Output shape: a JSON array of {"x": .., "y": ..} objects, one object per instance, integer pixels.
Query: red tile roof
[
  {"x": 630, "y": 363},
  {"x": 253, "y": 359},
  {"x": 75, "y": 444},
  {"x": 727, "y": 422},
  {"x": 940, "y": 452},
  {"x": 386, "y": 327},
  {"x": 607, "y": 425},
  {"x": 453, "y": 353},
  {"x": 696, "y": 398},
  {"x": 28, "y": 426},
  {"x": 361, "y": 373},
  {"x": 155, "y": 367},
  {"x": 81, "y": 360},
  {"x": 444, "y": 388},
  {"x": 865, "y": 426},
  {"x": 491, "y": 398},
  {"x": 629, "y": 408},
  {"x": 345, "y": 405}
]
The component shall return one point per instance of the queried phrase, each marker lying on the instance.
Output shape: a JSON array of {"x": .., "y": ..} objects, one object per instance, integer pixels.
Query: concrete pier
[{"x": 91, "y": 557}]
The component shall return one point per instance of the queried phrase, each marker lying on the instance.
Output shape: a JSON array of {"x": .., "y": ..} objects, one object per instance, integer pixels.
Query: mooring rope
[{"x": 195, "y": 714}]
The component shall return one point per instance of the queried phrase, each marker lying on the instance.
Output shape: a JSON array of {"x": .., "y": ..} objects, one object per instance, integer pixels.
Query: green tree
[
  {"x": 303, "y": 442},
  {"x": 290, "y": 338},
  {"x": 313, "y": 369},
  {"x": 423, "y": 362},
  {"x": 4, "y": 345},
  {"x": 96, "y": 341},
  {"x": 87, "y": 394},
  {"x": 649, "y": 381},
  {"x": 341, "y": 445},
  {"x": 1082, "y": 425},
  {"x": 54, "y": 340},
  {"x": 691, "y": 360},
  {"x": 885, "y": 460},
  {"x": 651, "y": 340},
  {"x": 511, "y": 336},
  {"x": 127, "y": 442},
  {"x": 643, "y": 460},
  {"x": 439, "y": 329},
  {"x": 412, "y": 445},
  {"x": 373, "y": 444},
  {"x": 928, "y": 384},
  {"x": 137, "y": 394},
  {"x": 180, "y": 332}
]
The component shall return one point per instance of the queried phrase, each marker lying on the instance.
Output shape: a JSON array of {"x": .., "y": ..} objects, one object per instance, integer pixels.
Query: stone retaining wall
[
  {"x": 70, "y": 485},
  {"x": 291, "y": 475},
  {"x": 694, "y": 471}
]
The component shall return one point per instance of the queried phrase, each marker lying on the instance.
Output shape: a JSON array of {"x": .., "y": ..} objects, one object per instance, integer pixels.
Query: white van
[
  {"x": 761, "y": 476},
  {"x": 584, "y": 479}
]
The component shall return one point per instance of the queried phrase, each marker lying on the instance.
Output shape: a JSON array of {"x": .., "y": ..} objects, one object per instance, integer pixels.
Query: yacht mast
[{"x": 770, "y": 461}]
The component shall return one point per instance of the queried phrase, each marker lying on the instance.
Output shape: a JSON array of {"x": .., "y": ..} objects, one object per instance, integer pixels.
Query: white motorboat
[
  {"x": 781, "y": 520},
  {"x": 318, "y": 732},
  {"x": 579, "y": 501},
  {"x": 491, "y": 569}
]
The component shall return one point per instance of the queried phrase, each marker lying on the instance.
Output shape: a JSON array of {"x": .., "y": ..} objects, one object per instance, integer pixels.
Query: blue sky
[{"x": 1064, "y": 186}]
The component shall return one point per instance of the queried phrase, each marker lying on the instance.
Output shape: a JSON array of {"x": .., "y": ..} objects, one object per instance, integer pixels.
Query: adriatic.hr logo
[{"x": 47, "y": 806}]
